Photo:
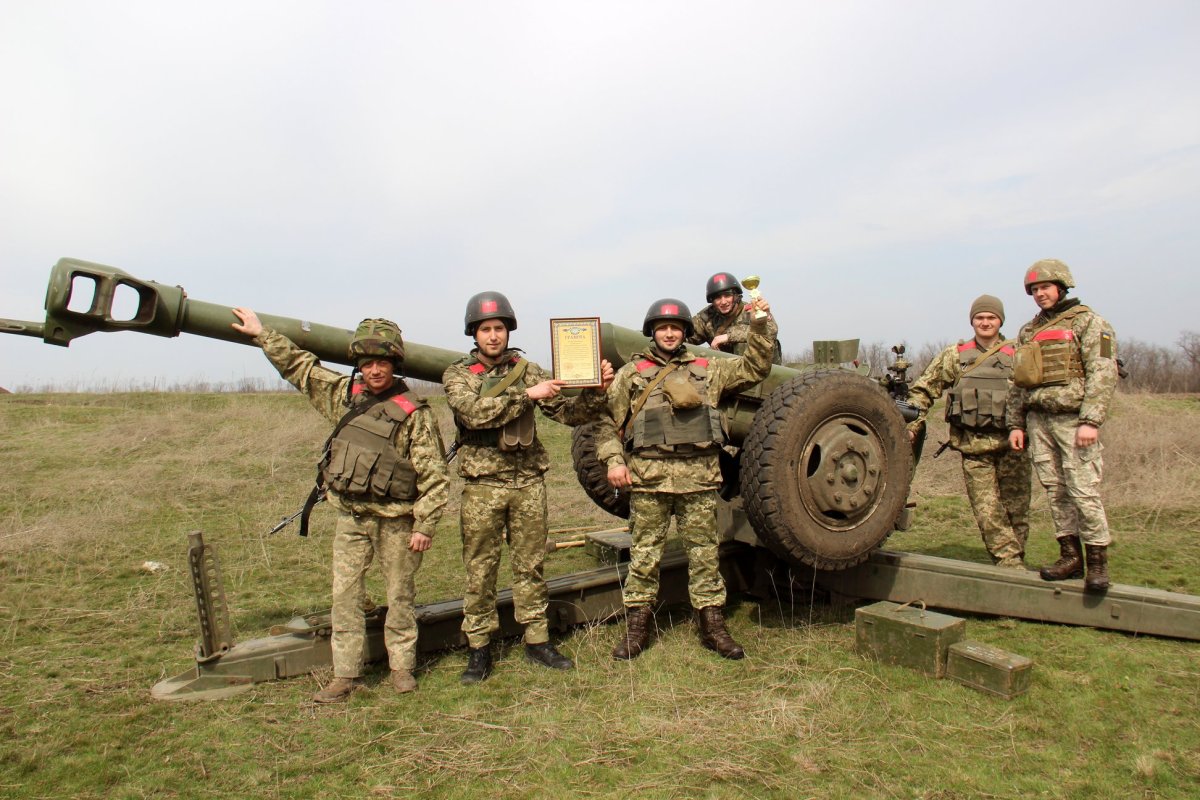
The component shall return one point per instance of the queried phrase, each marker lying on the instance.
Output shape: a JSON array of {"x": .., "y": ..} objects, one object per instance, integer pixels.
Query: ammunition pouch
[
  {"x": 674, "y": 421},
  {"x": 517, "y": 434},
  {"x": 1051, "y": 359},
  {"x": 977, "y": 401},
  {"x": 362, "y": 461}
]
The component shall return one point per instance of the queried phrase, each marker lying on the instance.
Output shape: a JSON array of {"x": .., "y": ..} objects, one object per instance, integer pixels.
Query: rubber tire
[
  {"x": 593, "y": 474},
  {"x": 800, "y": 428}
]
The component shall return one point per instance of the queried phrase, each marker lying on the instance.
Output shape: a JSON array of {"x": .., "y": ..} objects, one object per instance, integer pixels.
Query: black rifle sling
[{"x": 318, "y": 491}]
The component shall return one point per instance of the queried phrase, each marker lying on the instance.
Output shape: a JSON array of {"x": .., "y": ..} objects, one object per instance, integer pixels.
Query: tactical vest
[
  {"x": 363, "y": 462},
  {"x": 516, "y": 434},
  {"x": 1052, "y": 357},
  {"x": 976, "y": 401},
  {"x": 660, "y": 430}
]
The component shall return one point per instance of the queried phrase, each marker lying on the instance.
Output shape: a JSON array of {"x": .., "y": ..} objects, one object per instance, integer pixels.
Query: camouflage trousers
[
  {"x": 1071, "y": 476},
  {"x": 998, "y": 486},
  {"x": 490, "y": 515},
  {"x": 356, "y": 541},
  {"x": 696, "y": 522}
]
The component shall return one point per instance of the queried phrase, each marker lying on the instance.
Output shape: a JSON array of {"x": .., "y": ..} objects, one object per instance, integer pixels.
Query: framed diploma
[{"x": 575, "y": 350}]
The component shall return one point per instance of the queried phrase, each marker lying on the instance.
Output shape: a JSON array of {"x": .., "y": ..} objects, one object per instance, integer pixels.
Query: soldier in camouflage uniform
[
  {"x": 724, "y": 324},
  {"x": 1064, "y": 375},
  {"x": 975, "y": 375},
  {"x": 388, "y": 509},
  {"x": 493, "y": 393},
  {"x": 666, "y": 432}
]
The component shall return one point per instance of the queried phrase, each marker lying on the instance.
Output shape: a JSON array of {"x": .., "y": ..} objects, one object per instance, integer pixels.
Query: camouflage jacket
[
  {"x": 710, "y": 322},
  {"x": 689, "y": 473},
  {"x": 942, "y": 373},
  {"x": 488, "y": 464},
  {"x": 417, "y": 439},
  {"x": 1088, "y": 396}
]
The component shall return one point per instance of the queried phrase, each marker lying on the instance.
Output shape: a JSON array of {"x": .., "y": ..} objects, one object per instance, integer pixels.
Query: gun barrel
[
  {"x": 84, "y": 298},
  {"x": 20, "y": 327}
]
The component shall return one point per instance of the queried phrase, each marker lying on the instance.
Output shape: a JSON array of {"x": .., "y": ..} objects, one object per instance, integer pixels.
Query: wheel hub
[{"x": 840, "y": 473}]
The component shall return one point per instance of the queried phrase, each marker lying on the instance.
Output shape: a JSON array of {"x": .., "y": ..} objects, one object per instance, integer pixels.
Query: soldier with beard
[{"x": 493, "y": 393}]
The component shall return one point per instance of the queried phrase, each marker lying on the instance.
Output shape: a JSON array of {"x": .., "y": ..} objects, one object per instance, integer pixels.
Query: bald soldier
[
  {"x": 975, "y": 376},
  {"x": 1064, "y": 376}
]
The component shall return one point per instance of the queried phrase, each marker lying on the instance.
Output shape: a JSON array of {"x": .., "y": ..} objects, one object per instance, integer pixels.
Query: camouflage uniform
[
  {"x": 709, "y": 323},
  {"x": 367, "y": 529},
  {"x": 504, "y": 497},
  {"x": 996, "y": 476},
  {"x": 1050, "y": 415},
  {"x": 685, "y": 486}
]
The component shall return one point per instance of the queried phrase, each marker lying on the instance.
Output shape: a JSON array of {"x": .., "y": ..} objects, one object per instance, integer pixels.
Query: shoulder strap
[
  {"x": 641, "y": 401},
  {"x": 996, "y": 348},
  {"x": 514, "y": 375}
]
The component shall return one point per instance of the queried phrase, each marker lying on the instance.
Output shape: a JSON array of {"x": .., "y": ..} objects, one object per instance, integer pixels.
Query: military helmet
[
  {"x": 721, "y": 282},
  {"x": 489, "y": 305},
  {"x": 377, "y": 338},
  {"x": 668, "y": 308},
  {"x": 1049, "y": 269}
]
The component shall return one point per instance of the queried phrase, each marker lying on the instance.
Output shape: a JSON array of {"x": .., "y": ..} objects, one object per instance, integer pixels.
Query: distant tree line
[{"x": 1152, "y": 368}]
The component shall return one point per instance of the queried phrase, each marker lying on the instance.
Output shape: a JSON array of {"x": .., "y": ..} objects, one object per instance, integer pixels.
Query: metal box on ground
[
  {"x": 989, "y": 669},
  {"x": 906, "y": 635}
]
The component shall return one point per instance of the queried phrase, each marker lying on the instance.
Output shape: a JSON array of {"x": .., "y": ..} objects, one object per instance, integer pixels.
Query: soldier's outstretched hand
[
  {"x": 761, "y": 305},
  {"x": 545, "y": 390},
  {"x": 606, "y": 374},
  {"x": 249, "y": 325}
]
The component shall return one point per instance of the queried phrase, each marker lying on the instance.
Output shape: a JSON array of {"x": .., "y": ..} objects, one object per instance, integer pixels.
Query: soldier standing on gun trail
[
  {"x": 663, "y": 406},
  {"x": 1064, "y": 375},
  {"x": 976, "y": 375},
  {"x": 493, "y": 393},
  {"x": 387, "y": 509},
  {"x": 724, "y": 324}
]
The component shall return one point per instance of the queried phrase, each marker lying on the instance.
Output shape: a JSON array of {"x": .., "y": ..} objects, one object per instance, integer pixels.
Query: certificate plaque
[{"x": 575, "y": 350}]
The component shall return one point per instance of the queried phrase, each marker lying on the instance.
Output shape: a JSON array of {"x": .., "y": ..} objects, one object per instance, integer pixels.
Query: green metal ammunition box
[
  {"x": 609, "y": 547},
  {"x": 908, "y": 636},
  {"x": 989, "y": 669}
]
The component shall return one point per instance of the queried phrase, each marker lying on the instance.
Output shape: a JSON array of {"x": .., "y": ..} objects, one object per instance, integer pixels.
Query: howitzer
[{"x": 822, "y": 462}]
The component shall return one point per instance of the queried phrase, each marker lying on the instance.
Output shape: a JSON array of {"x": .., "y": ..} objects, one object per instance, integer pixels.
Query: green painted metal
[
  {"x": 983, "y": 589},
  {"x": 907, "y": 636}
]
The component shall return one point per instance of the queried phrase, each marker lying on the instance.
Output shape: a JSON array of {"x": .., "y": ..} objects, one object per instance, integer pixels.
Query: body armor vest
[
  {"x": 977, "y": 400},
  {"x": 665, "y": 426},
  {"x": 1052, "y": 357},
  {"x": 516, "y": 434},
  {"x": 363, "y": 462}
]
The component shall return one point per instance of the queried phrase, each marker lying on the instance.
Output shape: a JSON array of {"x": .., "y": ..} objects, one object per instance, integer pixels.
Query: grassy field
[{"x": 94, "y": 486}]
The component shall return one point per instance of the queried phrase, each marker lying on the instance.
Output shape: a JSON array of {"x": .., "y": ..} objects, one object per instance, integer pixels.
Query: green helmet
[
  {"x": 1049, "y": 269},
  {"x": 668, "y": 309},
  {"x": 377, "y": 338}
]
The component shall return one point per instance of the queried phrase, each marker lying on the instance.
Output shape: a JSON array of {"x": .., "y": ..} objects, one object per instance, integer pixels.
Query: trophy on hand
[{"x": 751, "y": 283}]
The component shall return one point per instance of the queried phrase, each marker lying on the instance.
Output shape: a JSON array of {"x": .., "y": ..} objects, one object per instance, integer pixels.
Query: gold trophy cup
[{"x": 750, "y": 282}]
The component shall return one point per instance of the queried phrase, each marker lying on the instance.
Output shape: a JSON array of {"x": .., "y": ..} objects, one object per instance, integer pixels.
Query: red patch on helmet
[
  {"x": 668, "y": 308},
  {"x": 487, "y": 306},
  {"x": 1032, "y": 276},
  {"x": 720, "y": 278}
]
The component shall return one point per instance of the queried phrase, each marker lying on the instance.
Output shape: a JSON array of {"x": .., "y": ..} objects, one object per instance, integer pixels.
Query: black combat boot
[
  {"x": 1069, "y": 564},
  {"x": 479, "y": 665},
  {"x": 1097, "y": 568},
  {"x": 546, "y": 655},
  {"x": 714, "y": 636},
  {"x": 637, "y": 633}
]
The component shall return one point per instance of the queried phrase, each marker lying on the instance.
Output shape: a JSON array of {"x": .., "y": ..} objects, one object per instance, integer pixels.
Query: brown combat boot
[
  {"x": 637, "y": 633},
  {"x": 337, "y": 690},
  {"x": 714, "y": 636},
  {"x": 1097, "y": 568},
  {"x": 1069, "y": 564},
  {"x": 403, "y": 681}
]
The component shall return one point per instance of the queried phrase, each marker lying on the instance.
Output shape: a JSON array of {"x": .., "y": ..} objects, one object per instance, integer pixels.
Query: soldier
[
  {"x": 493, "y": 392},
  {"x": 724, "y": 324},
  {"x": 666, "y": 434},
  {"x": 1064, "y": 374},
  {"x": 388, "y": 509},
  {"x": 976, "y": 375}
]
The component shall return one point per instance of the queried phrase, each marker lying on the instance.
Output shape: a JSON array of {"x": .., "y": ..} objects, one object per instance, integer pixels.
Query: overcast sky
[{"x": 879, "y": 165}]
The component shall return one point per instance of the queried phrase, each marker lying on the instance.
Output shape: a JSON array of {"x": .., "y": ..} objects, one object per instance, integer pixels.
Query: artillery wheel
[
  {"x": 826, "y": 469},
  {"x": 593, "y": 474}
]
